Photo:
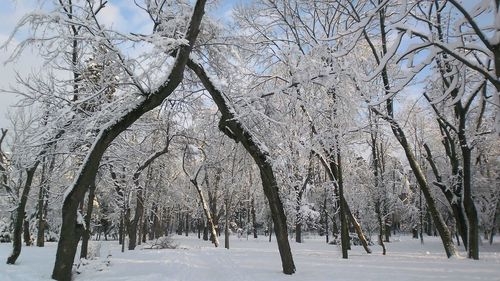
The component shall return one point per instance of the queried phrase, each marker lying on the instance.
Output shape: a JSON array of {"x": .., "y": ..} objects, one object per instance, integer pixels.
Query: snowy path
[{"x": 259, "y": 260}]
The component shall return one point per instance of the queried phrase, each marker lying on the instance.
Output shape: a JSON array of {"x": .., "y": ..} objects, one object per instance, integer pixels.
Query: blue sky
[{"x": 119, "y": 13}]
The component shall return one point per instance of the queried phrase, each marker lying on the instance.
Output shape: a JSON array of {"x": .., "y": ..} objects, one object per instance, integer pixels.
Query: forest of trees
[{"x": 352, "y": 120}]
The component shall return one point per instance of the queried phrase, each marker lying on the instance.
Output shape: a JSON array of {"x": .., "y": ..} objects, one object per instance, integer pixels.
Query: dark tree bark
[
  {"x": 20, "y": 215},
  {"x": 443, "y": 230},
  {"x": 335, "y": 166},
  {"x": 231, "y": 126},
  {"x": 88, "y": 219},
  {"x": 3, "y": 163},
  {"x": 43, "y": 200},
  {"x": 381, "y": 227},
  {"x": 270, "y": 225},
  {"x": 441, "y": 227},
  {"x": 139, "y": 207},
  {"x": 186, "y": 228},
  {"x": 40, "y": 237},
  {"x": 357, "y": 227},
  {"x": 226, "y": 223},
  {"x": 205, "y": 230},
  {"x": 26, "y": 231},
  {"x": 66, "y": 249},
  {"x": 206, "y": 209},
  {"x": 453, "y": 199},
  {"x": 254, "y": 220}
]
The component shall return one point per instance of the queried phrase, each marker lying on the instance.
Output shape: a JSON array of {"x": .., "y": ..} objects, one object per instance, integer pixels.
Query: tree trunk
[
  {"x": 186, "y": 228},
  {"x": 144, "y": 229},
  {"x": 453, "y": 199},
  {"x": 270, "y": 229},
  {"x": 329, "y": 168},
  {"x": 357, "y": 228},
  {"x": 120, "y": 229},
  {"x": 254, "y": 220},
  {"x": 208, "y": 215},
  {"x": 226, "y": 224},
  {"x": 298, "y": 232},
  {"x": 344, "y": 231},
  {"x": 20, "y": 216},
  {"x": 88, "y": 219},
  {"x": 70, "y": 233},
  {"x": 381, "y": 228},
  {"x": 230, "y": 125},
  {"x": 26, "y": 232},
  {"x": 470, "y": 207},
  {"x": 139, "y": 210},
  {"x": 387, "y": 231},
  {"x": 441, "y": 227},
  {"x": 40, "y": 238},
  {"x": 325, "y": 212},
  {"x": 205, "y": 230}
]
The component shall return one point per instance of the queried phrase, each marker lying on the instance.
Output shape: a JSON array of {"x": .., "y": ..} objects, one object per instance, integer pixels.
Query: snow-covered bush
[
  {"x": 164, "y": 243},
  {"x": 4, "y": 231}
]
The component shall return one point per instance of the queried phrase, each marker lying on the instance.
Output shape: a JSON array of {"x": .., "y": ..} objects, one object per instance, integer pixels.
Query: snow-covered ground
[{"x": 255, "y": 260}]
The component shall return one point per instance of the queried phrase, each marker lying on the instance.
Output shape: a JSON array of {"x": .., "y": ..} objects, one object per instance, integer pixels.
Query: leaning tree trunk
[
  {"x": 357, "y": 227},
  {"x": 441, "y": 227},
  {"x": 352, "y": 218},
  {"x": 455, "y": 202},
  {"x": 443, "y": 230},
  {"x": 68, "y": 241},
  {"x": 233, "y": 128},
  {"x": 208, "y": 214},
  {"x": 20, "y": 216}
]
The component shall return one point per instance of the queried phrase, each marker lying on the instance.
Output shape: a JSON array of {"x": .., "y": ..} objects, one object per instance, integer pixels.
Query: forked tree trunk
[{"x": 68, "y": 241}]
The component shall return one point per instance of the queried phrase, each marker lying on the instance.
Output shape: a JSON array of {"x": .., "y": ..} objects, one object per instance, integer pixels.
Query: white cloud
[{"x": 111, "y": 17}]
